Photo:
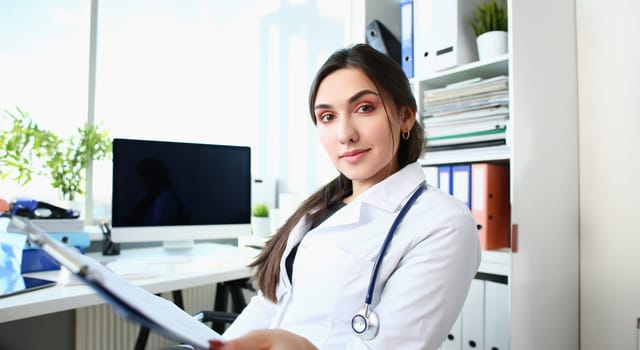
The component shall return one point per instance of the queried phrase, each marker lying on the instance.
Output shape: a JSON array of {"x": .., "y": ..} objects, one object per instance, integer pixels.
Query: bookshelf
[
  {"x": 543, "y": 273},
  {"x": 482, "y": 69}
]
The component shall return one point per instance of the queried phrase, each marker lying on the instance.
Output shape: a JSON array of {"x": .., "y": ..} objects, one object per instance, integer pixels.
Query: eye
[
  {"x": 365, "y": 108},
  {"x": 326, "y": 117}
]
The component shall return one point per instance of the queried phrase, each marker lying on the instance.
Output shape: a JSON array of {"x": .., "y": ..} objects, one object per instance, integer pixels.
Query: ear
[{"x": 408, "y": 118}]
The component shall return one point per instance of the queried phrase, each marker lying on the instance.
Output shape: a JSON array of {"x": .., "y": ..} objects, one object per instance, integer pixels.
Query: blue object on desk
[
  {"x": 36, "y": 260},
  {"x": 76, "y": 239}
]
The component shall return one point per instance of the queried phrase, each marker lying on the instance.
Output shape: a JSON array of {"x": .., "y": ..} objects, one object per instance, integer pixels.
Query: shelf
[
  {"x": 480, "y": 69},
  {"x": 495, "y": 262},
  {"x": 470, "y": 155}
]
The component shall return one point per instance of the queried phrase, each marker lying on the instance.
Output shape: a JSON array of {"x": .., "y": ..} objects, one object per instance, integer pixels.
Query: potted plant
[
  {"x": 260, "y": 220},
  {"x": 27, "y": 150},
  {"x": 490, "y": 27}
]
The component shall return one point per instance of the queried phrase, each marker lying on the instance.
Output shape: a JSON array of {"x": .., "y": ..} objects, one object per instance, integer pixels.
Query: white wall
[{"x": 609, "y": 93}]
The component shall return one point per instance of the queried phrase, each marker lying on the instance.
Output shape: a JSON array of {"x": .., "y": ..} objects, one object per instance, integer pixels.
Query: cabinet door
[{"x": 544, "y": 286}]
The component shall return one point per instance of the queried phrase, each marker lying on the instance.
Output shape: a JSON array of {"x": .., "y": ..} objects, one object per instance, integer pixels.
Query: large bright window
[
  {"x": 44, "y": 68},
  {"x": 223, "y": 72}
]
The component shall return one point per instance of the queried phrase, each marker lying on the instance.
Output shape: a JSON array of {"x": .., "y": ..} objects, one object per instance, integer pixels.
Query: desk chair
[{"x": 222, "y": 315}]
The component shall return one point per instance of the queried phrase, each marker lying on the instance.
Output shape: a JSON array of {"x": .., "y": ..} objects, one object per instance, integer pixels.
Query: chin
[{"x": 355, "y": 174}]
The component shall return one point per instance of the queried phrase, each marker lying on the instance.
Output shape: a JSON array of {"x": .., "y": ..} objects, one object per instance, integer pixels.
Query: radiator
[{"x": 100, "y": 328}]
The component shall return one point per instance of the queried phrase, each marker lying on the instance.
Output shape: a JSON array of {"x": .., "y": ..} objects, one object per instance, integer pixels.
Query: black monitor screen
[{"x": 160, "y": 183}]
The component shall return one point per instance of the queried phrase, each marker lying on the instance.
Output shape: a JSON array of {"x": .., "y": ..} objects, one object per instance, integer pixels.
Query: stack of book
[{"x": 473, "y": 113}]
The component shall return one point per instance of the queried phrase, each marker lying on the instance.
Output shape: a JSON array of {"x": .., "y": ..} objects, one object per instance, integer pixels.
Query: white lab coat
[{"x": 422, "y": 282}]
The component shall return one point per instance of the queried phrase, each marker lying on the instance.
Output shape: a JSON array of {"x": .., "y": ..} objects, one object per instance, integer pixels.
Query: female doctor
[{"x": 321, "y": 282}]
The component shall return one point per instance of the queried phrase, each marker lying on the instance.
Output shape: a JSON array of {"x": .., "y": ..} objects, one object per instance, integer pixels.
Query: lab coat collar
[{"x": 388, "y": 195}]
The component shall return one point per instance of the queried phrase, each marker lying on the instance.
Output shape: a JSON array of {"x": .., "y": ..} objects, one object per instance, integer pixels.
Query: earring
[{"x": 405, "y": 135}]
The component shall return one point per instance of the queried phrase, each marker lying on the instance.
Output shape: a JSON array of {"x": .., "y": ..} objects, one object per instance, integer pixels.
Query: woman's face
[{"x": 354, "y": 128}]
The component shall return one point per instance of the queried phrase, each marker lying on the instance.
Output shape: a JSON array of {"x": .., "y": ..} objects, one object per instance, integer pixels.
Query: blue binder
[
  {"x": 406, "y": 36},
  {"x": 444, "y": 178},
  {"x": 461, "y": 183}
]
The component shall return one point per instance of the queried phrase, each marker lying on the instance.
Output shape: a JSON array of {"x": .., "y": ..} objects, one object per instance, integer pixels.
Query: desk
[{"x": 206, "y": 263}]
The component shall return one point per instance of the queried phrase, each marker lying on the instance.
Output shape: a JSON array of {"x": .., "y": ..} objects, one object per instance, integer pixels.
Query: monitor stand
[{"x": 186, "y": 244}]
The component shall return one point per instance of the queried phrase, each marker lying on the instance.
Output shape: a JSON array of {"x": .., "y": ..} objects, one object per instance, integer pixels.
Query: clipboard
[{"x": 128, "y": 300}]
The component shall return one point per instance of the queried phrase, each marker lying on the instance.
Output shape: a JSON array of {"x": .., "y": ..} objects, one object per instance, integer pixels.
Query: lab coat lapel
[
  {"x": 350, "y": 214},
  {"x": 388, "y": 195}
]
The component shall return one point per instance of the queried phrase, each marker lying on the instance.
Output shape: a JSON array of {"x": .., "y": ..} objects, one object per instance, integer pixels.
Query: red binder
[{"x": 490, "y": 204}]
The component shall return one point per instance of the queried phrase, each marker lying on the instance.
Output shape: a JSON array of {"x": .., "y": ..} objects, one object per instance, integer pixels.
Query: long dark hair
[{"x": 395, "y": 90}]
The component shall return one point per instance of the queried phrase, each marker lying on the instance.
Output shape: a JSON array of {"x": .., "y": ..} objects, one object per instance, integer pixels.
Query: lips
[{"x": 353, "y": 153}]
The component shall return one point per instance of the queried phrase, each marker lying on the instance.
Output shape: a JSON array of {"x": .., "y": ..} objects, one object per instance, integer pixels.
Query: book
[
  {"x": 479, "y": 136},
  {"x": 499, "y": 83},
  {"x": 467, "y": 114},
  {"x": 461, "y": 127}
]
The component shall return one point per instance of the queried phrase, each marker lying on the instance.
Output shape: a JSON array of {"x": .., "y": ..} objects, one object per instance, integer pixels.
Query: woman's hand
[{"x": 267, "y": 339}]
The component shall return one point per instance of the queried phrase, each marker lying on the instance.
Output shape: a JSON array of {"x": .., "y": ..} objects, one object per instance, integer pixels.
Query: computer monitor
[{"x": 178, "y": 192}]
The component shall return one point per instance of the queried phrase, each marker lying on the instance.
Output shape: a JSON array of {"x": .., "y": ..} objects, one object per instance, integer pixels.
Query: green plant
[
  {"x": 489, "y": 16},
  {"x": 28, "y": 150},
  {"x": 261, "y": 210}
]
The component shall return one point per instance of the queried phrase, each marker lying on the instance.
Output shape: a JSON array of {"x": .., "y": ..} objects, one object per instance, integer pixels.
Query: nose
[{"x": 346, "y": 130}]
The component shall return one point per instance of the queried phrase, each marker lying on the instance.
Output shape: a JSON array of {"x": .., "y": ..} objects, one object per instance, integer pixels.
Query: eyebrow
[{"x": 351, "y": 99}]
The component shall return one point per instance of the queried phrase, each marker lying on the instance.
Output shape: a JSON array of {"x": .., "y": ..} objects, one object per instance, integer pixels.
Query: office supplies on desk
[
  {"x": 4, "y": 205},
  {"x": 34, "y": 209},
  {"x": 109, "y": 247},
  {"x": 23, "y": 284},
  {"x": 36, "y": 260},
  {"x": 55, "y": 225},
  {"x": 128, "y": 300},
  {"x": 11, "y": 279}
]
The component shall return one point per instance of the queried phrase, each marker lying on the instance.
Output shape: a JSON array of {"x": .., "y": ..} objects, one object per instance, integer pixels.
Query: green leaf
[
  {"x": 27, "y": 150},
  {"x": 489, "y": 16}
]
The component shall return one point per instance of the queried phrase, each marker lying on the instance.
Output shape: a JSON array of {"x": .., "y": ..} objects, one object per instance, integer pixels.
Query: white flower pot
[
  {"x": 260, "y": 226},
  {"x": 491, "y": 44}
]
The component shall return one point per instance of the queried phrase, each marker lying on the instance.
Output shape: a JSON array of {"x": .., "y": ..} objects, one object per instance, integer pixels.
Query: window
[
  {"x": 221, "y": 72},
  {"x": 44, "y": 68}
]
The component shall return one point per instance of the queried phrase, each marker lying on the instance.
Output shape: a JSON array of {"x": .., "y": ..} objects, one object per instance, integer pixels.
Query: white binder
[
  {"x": 496, "y": 316},
  {"x": 446, "y": 39},
  {"x": 473, "y": 317},
  {"x": 453, "y": 341}
]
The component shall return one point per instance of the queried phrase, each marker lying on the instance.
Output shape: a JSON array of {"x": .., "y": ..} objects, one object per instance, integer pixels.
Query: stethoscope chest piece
[{"x": 365, "y": 323}]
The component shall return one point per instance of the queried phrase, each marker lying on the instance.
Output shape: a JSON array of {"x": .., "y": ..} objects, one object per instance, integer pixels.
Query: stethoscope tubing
[{"x": 387, "y": 241}]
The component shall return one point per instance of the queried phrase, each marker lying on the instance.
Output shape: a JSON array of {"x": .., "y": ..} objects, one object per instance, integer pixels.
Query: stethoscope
[{"x": 366, "y": 322}]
